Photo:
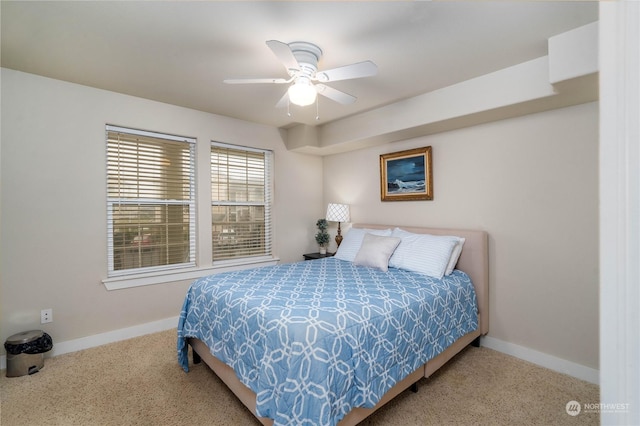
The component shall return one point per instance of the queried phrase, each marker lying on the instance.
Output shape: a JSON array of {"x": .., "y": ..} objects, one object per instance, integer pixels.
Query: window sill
[{"x": 129, "y": 281}]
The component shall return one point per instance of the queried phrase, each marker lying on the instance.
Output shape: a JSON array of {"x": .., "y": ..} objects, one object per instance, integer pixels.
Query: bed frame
[{"x": 474, "y": 260}]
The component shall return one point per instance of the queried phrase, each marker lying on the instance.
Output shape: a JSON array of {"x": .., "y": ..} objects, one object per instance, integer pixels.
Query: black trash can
[{"x": 25, "y": 352}]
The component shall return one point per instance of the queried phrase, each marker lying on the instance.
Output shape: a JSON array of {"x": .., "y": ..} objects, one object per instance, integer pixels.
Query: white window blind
[
  {"x": 150, "y": 201},
  {"x": 241, "y": 201}
]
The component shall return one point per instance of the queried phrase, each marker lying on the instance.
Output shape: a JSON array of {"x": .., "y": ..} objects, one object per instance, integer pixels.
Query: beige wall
[
  {"x": 53, "y": 203},
  {"x": 532, "y": 183}
]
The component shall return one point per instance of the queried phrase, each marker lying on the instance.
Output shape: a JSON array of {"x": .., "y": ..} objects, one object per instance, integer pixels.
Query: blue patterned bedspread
[{"x": 316, "y": 338}]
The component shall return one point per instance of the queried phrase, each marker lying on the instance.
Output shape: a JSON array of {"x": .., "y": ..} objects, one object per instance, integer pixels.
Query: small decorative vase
[{"x": 323, "y": 250}]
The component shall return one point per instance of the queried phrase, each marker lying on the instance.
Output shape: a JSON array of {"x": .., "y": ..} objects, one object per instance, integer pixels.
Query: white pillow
[
  {"x": 353, "y": 240},
  {"x": 424, "y": 253},
  {"x": 375, "y": 251},
  {"x": 455, "y": 256}
]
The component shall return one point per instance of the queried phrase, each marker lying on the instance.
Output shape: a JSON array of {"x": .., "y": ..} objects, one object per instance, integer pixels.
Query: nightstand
[{"x": 311, "y": 256}]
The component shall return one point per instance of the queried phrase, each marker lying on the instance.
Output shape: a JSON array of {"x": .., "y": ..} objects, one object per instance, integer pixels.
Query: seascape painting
[{"x": 406, "y": 175}]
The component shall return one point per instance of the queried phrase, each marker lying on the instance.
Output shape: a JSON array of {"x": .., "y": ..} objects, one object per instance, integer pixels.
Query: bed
[{"x": 329, "y": 341}]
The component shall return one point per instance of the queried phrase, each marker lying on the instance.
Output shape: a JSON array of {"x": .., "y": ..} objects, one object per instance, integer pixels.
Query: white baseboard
[
  {"x": 74, "y": 345},
  {"x": 544, "y": 360},
  {"x": 560, "y": 365}
]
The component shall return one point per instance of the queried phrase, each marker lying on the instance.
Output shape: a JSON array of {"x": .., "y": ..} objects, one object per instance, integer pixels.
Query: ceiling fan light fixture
[
  {"x": 302, "y": 92},
  {"x": 300, "y": 59}
]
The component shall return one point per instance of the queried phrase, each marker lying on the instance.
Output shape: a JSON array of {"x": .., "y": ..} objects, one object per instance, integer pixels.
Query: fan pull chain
[{"x": 288, "y": 107}]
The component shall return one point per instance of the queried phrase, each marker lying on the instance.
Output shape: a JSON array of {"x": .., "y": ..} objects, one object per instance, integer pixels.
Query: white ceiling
[{"x": 179, "y": 52}]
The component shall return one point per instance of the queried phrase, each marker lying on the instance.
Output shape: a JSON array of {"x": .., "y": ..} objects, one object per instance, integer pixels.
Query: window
[
  {"x": 150, "y": 201},
  {"x": 241, "y": 197}
]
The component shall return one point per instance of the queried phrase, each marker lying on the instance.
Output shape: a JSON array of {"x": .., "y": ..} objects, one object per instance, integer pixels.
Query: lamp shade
[
  {"x": 338, "y": 213},
  {"x": 302, "y": 92}
]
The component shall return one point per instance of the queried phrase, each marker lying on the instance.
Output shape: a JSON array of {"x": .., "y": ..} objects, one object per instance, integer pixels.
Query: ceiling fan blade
[
  {"x": 335, "y": 94},
  {"x": 283, "y": 100},
  {"x": 256, "y": 80},
  {"x": 357, "y": 70},
  {"x": 284, "y": 54}
]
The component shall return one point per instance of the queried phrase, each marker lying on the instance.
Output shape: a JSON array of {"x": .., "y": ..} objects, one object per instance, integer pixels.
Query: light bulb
[{"x": 302, "y": 92}]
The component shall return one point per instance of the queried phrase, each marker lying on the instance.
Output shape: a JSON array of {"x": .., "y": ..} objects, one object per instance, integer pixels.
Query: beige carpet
[{"x": 139, "y": 382}]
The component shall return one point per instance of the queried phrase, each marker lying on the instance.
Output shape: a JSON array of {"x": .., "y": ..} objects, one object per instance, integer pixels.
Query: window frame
[
  {"x": 203, "y": 243},
  {"x": 141, "y": 271},
  {"x": 267, "y": 203}
]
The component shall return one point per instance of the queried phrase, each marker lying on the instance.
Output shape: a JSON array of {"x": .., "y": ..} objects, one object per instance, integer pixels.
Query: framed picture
[{"x": 406, "y": 175}]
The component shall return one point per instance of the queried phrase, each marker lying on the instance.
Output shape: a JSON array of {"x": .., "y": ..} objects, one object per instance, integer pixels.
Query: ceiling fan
[{"x": 301, "y": 62}]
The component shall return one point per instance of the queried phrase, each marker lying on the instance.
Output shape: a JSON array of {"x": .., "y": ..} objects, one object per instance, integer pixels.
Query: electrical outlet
[{"x": 46, "y": 315}]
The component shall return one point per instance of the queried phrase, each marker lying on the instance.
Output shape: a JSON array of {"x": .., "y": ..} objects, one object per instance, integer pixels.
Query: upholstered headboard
[{"x": 474, "y": 260}]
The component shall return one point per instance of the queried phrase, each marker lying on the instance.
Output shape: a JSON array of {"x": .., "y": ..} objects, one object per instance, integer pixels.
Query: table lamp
[{"x": 338, "y": 213}]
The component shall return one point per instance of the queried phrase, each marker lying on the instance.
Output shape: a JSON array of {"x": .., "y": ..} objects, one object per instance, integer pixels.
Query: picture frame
[{"x": 406, "y": 175}]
